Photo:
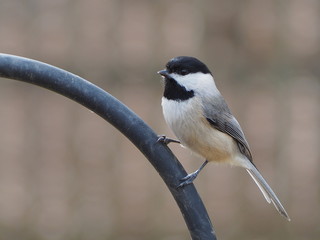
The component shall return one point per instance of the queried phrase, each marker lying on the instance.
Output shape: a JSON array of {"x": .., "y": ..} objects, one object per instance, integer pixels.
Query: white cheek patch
[{"x": 198, "y": 82}]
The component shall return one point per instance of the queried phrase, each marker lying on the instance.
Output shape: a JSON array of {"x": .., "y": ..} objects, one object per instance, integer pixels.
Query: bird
[{"x": 198, "y": 115}]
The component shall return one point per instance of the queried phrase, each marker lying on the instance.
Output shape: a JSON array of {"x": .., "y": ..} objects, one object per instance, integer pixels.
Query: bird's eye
[{"x": 184, "y": 72}]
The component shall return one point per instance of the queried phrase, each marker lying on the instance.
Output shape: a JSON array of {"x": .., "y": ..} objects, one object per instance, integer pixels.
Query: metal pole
[{"x": 127, "y": 122}]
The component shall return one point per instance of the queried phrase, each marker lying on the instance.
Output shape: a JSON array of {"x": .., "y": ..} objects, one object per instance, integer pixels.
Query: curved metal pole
[{"x": 126, "y": 121}]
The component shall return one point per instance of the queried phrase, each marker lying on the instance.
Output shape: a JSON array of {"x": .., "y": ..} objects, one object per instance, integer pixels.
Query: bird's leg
[
  {"x": 165, "y": 140},
  {"x": 192, "y": 176}
]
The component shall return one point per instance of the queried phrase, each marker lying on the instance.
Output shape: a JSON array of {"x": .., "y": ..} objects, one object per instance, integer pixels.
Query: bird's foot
[
  {"x": 192, "y": 176},
  {"x": 188, "y": 179},
  {"x": 163, "y": 139}
]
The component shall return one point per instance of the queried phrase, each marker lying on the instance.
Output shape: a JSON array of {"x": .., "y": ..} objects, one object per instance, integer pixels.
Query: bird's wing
[
  {"x": 224, "y": 121},
  {"x": 220, "y": 117}
]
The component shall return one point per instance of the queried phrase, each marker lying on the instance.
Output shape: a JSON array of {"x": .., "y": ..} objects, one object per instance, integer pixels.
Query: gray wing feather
[{"x": 220, "y": 117}]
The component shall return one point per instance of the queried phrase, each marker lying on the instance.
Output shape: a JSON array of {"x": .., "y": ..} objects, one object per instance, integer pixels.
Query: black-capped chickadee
[{"x": 200, "y": 118}]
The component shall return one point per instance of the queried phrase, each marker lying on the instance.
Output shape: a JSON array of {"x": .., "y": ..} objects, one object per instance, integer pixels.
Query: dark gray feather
[{"x": 220, "y": 117}]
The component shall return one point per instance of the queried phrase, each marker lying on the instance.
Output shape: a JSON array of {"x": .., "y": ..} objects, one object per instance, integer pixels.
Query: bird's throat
[{"x": 174, "y": 91}]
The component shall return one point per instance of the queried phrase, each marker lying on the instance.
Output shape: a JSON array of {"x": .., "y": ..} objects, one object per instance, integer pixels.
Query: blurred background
[{"x": 67, "y": 174}]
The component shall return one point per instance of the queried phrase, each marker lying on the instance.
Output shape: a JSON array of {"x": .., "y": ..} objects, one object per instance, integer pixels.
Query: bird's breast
[{"x": 188, "y": 123}]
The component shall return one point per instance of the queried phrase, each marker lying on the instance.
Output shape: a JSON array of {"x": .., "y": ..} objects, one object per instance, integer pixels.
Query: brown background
[{"x": 67, "y": 174}]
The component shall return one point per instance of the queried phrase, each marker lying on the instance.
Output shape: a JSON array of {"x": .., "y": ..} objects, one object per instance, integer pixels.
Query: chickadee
[{"x": 200, "y": 118}]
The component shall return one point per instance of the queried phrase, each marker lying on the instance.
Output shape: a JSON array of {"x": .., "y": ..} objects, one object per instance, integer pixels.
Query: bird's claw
[
  {"x": 163, "y": 139},
  {"x": 187, "y": 179}
]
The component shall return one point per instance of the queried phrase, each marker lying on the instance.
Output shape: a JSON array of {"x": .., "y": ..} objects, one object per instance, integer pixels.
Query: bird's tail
[{"x": 267, "y": 191}]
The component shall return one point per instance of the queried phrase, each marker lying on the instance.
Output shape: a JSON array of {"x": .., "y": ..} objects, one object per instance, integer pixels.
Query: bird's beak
[{"x": 163, "y": 73}]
